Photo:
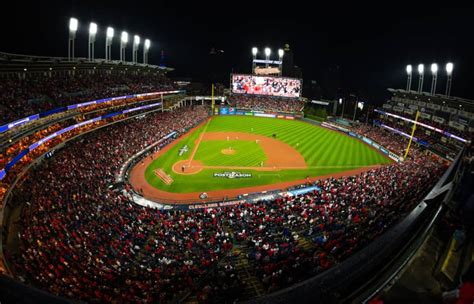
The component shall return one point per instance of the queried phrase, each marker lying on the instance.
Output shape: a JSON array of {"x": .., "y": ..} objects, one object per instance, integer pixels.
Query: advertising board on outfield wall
[{"x": 244, "y": 112}]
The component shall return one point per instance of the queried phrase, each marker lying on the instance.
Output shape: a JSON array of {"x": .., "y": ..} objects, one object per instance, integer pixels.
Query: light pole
[
  {"x": 360, "y": 105},
  {"x": 73, "y": 25},
  {"x": 421, "y": 69},
  {"x": 434, "y": 72},
  {"x": 90, "y": 47},
  {"x": 136, "y": 43},
  {"x": 108, "y": 43},
  {"x": 145, "y": 51},
  {"x": 449, "y": 71},
  {"x": 254, "y": 56},
  {"x": 123, "y": 44},
  {"x": 280, "y": 56},
  {"x": 343, "y": 104},
  {"x": 335, "y": 106},
  {"x": 409, "y": 73},
  {"x": 267, "y": 56}
]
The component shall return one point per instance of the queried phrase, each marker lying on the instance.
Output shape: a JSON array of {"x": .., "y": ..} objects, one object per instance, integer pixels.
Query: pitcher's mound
[{"x": 228, "y": 151}]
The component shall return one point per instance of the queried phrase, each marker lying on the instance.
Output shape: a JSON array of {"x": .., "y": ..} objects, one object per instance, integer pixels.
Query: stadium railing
[{"x": 12, "y": 291}]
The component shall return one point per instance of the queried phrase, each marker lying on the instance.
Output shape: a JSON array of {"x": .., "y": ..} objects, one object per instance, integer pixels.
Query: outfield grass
[{"x": 324, "y": 151}]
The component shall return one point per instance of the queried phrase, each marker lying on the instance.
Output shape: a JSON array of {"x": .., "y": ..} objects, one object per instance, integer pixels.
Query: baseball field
[{"x": 234, "y": 152}]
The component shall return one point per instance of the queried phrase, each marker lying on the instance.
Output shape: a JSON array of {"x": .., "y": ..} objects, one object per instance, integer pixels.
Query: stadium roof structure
[
  {"x": 13, "y": 63},
  {"x": 456, "y": 102}
]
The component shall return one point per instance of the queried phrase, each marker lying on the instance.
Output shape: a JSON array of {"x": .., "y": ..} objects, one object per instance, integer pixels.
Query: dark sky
[{"x": 371, "y": 43}]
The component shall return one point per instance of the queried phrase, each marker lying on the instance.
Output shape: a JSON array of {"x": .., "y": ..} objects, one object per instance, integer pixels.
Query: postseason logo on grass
[{"x": 232, "y": 174}]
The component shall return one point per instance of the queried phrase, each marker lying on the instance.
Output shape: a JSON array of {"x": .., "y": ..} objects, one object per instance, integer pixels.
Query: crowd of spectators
[
  {"x": 442, "y": 126},
  {"x": 13, "y": 148},
  {"x": 394, "y": 142},
  {"x": 434, "y": 139},
  {"x": 82, "y": 239},
  {"x": 266, "y": 103},
  {"x": 38, "y": 93}
]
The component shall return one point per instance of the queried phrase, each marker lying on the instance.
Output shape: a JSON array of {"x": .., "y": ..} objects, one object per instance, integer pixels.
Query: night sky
[{"x": 370, "y": 44}]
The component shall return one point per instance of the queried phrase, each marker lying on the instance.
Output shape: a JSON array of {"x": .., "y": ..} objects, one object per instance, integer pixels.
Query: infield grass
[{"x": 247, "y": 153}]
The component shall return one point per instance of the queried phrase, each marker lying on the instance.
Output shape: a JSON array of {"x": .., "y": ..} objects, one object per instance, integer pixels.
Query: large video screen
[{"x": 265, "y": 85}]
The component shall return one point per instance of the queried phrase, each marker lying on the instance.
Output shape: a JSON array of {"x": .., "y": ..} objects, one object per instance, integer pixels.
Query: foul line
[{"x": 198, "y": 143}]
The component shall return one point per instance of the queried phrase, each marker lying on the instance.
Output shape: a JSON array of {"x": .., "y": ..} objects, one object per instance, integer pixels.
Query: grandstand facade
[{"x": 71, "y": 229}]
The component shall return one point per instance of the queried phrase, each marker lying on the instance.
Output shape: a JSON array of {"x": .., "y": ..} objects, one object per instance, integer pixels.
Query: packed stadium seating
[
  {"x": 83, "y": 240},
  {"x": 268, "y": 103},
  {"x": 37, "y": 93},
  {"x": 83, "y": 237},
  {"x": 434, "y": 139},
  {"x": 394, "y": 142},
  {"x": 13, "y": 147}
]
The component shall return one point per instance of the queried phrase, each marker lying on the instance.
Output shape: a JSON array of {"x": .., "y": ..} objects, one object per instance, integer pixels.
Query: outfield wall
[{"x": 256, "y": 113}]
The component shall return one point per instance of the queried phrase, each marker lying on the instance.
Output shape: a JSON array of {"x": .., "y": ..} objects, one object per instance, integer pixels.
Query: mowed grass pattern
[
  {"x": 247, "y": 153},
  {"x": 324, "y": 151},
  {"x": 318, "y": 146}
]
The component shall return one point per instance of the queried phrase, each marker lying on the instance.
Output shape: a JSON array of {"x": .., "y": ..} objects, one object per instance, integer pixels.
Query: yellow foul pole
[
  {"x": 212, "y": 99},
  {"x": 412, "y": 133}
]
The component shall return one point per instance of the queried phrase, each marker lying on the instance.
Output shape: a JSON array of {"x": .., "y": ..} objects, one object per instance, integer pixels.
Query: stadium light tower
[
  {"x": 108, "y": 43},
  {"x": 343, "y": 104},
  {"x": 449, "y": 71},
  {"x": 421, "y": 70},
  {"x": 73, "y": 25},
  {"x": 280, "y": 56},
  {"x": 409, "y": 73},
  {"x": 254, "y": 52},
  {"x": 268, "y": 52},
  {"x": 360, "y": 105},
  {"x": 434, "y": 72},
  {"x": 254, "y": 56},
  {"x": 145, "y": 50},
  {"x": 123, "y": 44},
  {"x": 90, "y": 47},
  {"x": 136, "y": 43}
]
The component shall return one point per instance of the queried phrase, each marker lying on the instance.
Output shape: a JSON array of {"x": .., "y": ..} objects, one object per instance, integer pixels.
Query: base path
[{"x": 279, "y": 156}]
